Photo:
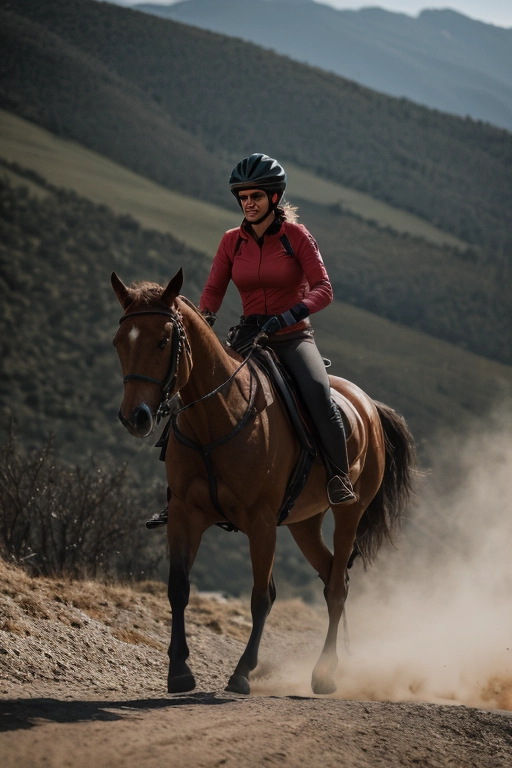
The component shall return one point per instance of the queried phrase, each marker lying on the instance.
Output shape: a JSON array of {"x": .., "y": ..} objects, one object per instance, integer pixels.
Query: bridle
[{"x": 178, "y": 342}]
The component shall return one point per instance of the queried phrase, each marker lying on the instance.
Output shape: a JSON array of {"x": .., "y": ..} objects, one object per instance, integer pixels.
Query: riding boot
[
  {"x": 339, "y": 489},
  {"x": 160, "y": 518},
  {"x": 339, "y": 485}
]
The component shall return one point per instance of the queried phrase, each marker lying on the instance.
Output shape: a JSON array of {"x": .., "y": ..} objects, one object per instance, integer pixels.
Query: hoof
[
  {"x": 238, "y": 684},
  {"x": 180, "y": 684},
  {"x": 323, "y": 686}
]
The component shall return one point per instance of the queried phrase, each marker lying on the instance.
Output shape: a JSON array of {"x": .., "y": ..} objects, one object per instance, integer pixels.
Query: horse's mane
[
  {"x": 145, "y": 293},
  {"x": 190, "y": 304}
]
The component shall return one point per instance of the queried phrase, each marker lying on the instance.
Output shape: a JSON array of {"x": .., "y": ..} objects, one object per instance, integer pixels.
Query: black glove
[
  {"x": 210, "y": 317},
  {"x": 290, "y": 317}
]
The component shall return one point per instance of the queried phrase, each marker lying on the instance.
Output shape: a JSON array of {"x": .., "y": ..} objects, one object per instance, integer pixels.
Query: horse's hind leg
[
  {"x": 346, "y": 521},
  {"x": 262, "y": 546},
  {"x": 309, "y": 539}
]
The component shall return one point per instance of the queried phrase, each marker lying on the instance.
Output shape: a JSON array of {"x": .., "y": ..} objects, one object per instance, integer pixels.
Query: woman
[{"x": 278, "y": 270}]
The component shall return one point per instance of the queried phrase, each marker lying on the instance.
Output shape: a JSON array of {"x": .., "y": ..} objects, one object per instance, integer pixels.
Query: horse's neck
[{"x": 212, "y": 367}]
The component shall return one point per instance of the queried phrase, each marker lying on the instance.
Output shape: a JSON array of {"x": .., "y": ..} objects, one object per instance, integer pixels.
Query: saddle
[{"x": 273, "y": 377}]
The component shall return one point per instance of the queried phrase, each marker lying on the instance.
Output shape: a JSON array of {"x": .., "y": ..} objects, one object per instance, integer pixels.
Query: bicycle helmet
[{"x": 259, "y": 172}]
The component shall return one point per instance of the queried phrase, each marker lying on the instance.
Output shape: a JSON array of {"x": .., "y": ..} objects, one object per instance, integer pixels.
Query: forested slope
[{"x": 59, "y": 314}]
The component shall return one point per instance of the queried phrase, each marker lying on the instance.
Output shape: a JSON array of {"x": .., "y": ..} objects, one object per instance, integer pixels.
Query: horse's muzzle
[{"x": 140, "y": 423}]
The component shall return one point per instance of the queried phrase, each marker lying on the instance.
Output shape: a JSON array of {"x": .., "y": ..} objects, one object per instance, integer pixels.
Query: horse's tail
[{"x": 383, "y": 516}]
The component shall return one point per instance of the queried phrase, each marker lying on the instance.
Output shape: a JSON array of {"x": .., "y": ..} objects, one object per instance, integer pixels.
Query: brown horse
[{"x": 230, "y": 458}]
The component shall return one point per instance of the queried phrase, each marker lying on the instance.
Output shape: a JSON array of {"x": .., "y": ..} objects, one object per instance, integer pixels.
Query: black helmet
[{"x": 258, "y": 172}]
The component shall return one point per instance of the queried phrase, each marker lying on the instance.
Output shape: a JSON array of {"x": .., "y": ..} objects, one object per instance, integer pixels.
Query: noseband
[{"x": 178, "y": 341}]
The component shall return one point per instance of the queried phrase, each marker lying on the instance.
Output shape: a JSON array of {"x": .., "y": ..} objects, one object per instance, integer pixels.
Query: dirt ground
[{"x": 82, "y": 683}]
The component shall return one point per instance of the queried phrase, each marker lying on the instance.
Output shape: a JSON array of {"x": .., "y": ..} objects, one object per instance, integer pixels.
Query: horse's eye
[{"x": 163, "y": 343}]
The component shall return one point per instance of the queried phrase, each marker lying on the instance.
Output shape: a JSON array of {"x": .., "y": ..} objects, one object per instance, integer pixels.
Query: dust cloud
[{"x": 432, "y": 619}]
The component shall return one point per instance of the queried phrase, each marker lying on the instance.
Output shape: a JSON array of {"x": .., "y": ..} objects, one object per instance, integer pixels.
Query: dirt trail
[
  {"x": 82, "y": 676},
  {"x": 219, "y": 729}
]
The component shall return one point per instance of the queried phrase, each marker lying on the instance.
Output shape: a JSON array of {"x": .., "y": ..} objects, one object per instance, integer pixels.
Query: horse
[{"x": 229, "y": 456}]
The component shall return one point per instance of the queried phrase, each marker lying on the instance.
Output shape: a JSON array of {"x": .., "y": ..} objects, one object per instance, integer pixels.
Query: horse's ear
[
  {"x": 173, "y": 288},
  {"x": 121, "y": 290}
]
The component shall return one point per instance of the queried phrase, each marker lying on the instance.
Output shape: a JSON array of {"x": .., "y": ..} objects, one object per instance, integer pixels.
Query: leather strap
[{"x": 206, "y": 450}]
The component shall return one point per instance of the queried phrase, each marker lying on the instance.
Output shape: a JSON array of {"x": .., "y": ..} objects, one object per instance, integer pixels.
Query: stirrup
[
  {"x": 340, "y": 490},
  {"x": 158, "y": 519}
]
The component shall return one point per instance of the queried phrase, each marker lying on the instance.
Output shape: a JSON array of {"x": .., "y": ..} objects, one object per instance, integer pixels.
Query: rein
[{"x": 218, "y": 389}]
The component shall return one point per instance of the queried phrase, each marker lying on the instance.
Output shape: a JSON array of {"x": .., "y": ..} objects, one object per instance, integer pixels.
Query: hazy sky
[{"x": 497, "y": 12}]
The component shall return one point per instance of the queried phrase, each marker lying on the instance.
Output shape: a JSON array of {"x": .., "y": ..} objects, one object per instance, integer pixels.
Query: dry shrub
[
  {"x": 33, "y": 607},
  {"x": 133, "y": 637},
  {"x": 80, "y": 522}
]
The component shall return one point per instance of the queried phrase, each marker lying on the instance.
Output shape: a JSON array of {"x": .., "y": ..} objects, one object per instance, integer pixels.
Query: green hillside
[
  {"x": 310, "y": 187},
  {"x": 442, "y": 291},
  {"x": 70, "y": 165},
  {"x": 59, "y": 314},
  {"x": 383, "y": 259}
]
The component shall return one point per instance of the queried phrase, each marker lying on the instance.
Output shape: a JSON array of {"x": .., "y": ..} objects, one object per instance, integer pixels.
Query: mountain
[
  {"x": 178, "y": 105},
  {"x": 441, "y": 58}
]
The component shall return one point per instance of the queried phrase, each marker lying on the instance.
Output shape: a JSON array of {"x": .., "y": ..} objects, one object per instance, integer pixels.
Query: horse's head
[{"x": 153, "y": 350}]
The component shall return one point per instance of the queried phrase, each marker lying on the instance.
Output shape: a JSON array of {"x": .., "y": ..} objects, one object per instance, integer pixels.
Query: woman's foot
[
  {"x": 340, "y": 490},
  {"x": 158, "y": 519}
]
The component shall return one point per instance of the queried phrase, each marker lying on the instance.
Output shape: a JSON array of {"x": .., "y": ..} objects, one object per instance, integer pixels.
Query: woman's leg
[{"x": 300, "y": 356}]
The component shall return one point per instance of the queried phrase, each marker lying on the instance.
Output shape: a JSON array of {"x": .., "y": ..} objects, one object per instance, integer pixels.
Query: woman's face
[{"x": 254, "y": 203}]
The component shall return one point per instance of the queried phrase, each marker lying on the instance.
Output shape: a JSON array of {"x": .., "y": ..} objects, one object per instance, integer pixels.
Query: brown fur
[{"x": 251, "y": 471}]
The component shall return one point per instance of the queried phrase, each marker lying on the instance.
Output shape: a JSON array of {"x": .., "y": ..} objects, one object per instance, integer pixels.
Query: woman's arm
[
  {"x": 219, "y": 277},
  {"x": 320, "y": 290}
]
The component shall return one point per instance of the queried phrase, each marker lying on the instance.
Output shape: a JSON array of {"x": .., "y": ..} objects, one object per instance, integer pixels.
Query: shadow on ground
[{"x": 16, "y": 714}]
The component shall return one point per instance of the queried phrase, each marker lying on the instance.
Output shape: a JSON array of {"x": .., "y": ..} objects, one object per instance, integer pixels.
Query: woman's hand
[
  {"x": 209, "y": 316},
  {"x": 273, "y": 325},
  {"x": 290, "y": 317}
]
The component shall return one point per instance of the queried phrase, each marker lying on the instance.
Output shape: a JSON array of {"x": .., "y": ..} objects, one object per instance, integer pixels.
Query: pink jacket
[{"x": 269, "y": 280}]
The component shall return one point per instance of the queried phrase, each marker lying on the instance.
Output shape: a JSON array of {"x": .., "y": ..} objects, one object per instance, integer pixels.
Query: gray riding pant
[{"x": 301, "y": 358}]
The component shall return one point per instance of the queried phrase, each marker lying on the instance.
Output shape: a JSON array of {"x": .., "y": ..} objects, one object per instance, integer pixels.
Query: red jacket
[{"x": 269, "y": 280}]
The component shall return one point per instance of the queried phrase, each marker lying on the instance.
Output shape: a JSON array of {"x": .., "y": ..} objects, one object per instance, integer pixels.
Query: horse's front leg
[
  {"x": 184, "y": 532},
  {"x": 262, "y": 545},
  {"x": 336, "y": 588}
]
